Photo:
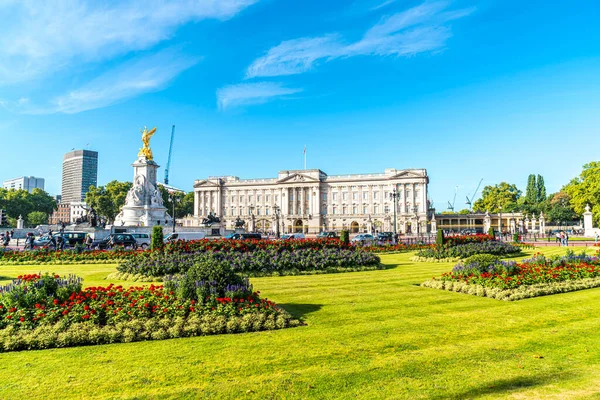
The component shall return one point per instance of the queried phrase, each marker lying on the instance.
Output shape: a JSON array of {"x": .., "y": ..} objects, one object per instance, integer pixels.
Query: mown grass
[{"x": 369, "y": 335}]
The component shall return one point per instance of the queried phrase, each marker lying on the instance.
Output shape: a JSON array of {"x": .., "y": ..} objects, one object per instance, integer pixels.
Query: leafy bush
[
  {"x": 491, "y": 232},
  {"x": 516, "y": 237},
  {"x": 157, "y": 238},
  {"x": 469, "y": 249},
  {"x": 439, "y": 240},
  {"x": 255, "y": 263},
  {"x": 345, "y": 237}
]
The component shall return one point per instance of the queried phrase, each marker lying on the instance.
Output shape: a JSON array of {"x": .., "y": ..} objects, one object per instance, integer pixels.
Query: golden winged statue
[{"x": 146, "y": 151}]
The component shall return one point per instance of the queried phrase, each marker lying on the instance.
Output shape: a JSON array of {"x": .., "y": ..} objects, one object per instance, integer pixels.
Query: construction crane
[
  {"x": 169, "y": 159},
  {"x": 469, "y": 201},
  {"x": 451, "y": 205}
]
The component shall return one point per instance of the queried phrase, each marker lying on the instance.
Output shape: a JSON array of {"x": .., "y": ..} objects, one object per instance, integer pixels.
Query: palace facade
[{"x": 311, "y": 201}]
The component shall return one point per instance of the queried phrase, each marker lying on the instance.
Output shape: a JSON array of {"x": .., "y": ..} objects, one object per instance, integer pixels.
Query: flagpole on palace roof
[{"x": 305, "y": 157}]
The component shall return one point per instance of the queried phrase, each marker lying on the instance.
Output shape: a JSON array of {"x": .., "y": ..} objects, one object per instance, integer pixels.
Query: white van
[
  {"x": 142, "y": 240},
  {"x": 184, "y": 236}
]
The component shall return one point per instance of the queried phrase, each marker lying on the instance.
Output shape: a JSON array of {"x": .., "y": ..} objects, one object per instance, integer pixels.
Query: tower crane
[
  {"x": 469, "y": 201},
  {"x": 451, "y": 205},
  {"x": 169, "y": 158}
]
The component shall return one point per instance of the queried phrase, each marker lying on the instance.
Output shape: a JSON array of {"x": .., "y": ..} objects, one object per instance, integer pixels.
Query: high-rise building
[
  {"x": 80, "y": 171},
  {"x": 24, "y": 182}
]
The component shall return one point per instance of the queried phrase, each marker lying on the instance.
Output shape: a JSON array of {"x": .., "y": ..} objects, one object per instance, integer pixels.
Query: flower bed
[
  {"x": 259, "y": 262},
  {"x": 467, "y": 250},
  {"x": 45, "y": 256},
  {"x": 49, "y": 311},
  {"x": 465, "y": 239},
  {"x": 395, "y": 248},
  {"x": 517, "y": 280}
]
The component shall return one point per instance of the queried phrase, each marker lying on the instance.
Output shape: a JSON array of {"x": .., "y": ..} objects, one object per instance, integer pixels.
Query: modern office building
[
  {"x": 24, "y": 182},
  {"x": 80, "y": 171},
  {"x": 311, "y": 201}
]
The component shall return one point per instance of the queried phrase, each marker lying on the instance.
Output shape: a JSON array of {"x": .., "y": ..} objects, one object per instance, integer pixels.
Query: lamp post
[
  {"x": 251, "y": 208},
  {"x": 394, "y": 195},
  {"x": 277, "y": 211},
  {"x": 500, "y": 215},
  {"x": 416, "y": 211},
  {"x": 172, "y": 197}
]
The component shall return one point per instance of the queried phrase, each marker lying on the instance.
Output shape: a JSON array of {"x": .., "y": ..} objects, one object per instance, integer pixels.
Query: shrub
[
  {"x": 491, "y": 232},
  {"x": 157, "y": 237},
  {"x": 516, "y": 237},
  {"x": 439, "y": 240},
  {"x": 469, "y": 249},
  {"x": 345, "y": 237}
]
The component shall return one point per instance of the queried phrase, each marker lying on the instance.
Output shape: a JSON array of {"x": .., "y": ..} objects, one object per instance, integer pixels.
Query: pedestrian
[
  {"x": 12, "y": 233},
  {"x": 29, "y": 241},
  {"x": 558, "y": 238},
  {"x": 88, "y": 241},
  {"x": 596, "y": 238},
  {"x": 566, "y": 239}
]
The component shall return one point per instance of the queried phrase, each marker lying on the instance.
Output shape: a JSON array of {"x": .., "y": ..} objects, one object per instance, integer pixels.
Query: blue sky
[{"x": 467, "y": 89}]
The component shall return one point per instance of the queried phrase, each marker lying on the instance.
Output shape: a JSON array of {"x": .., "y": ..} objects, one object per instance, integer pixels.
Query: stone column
[
  {"x": 542, "y": 224},
  {"x": 588, "y": 222},
  {"x": 533, "y": 221}
]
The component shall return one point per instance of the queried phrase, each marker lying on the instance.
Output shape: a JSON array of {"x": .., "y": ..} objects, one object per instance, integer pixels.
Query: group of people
[
  {"x": 562, "y": 238},
  {"x": 5, "y": 238}
]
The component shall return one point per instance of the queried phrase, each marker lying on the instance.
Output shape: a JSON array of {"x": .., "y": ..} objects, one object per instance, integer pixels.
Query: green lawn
[{"x": 369, "y": 335}]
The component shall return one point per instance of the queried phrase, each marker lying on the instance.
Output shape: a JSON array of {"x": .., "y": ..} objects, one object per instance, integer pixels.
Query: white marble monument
[
  {"x": 144, "y": 204},
  {"x": 588, "y": 223}
]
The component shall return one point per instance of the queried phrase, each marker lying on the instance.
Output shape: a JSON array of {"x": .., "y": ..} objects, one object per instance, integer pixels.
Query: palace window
[
  {"x": 276, "y": 198},
  {"x": 375, "y": 209},
  {"x": 267, "y": 211},
  {"x": 345, "y": 210},
  {"x": 268, "y": 198},
  {"x": 257, "y": 210},
  {"x": 354, "y": 210},
  {"x": 375, "y": 195},
  {"x": 387, "y": 209},
  {"x": 334, "y": 196},
  {"x": 365, "y": 195},
  {"x": 365, "y": 210},
  {"x": 354, "y": 196},
  {"x": 258, "y": 198},
  {"x": 344, "y": 196}
]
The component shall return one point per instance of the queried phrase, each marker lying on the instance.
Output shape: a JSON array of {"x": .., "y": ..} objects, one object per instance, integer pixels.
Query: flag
[{"x": 304, "y": 150}]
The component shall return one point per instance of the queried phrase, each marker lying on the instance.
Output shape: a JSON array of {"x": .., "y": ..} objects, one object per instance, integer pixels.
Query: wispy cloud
[
  {"x": 417, "y": 30},
  {"x": 39, "y": 37},
  {"x": 252, "y": 93}
]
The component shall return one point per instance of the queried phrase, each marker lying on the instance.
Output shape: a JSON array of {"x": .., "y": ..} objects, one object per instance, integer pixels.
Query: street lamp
[
  {"x": 251, "y": 208},
  {"x": 416, "y": 211},
  {"x": 394, "y": 195},
  {"x": 500, "y": 215},
  {"x": 172, "y": 197},
  {"x": 277, "y": 211}
]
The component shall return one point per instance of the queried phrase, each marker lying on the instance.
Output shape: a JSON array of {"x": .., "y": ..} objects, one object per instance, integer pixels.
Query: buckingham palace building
[{"x": 311, "y": 201}]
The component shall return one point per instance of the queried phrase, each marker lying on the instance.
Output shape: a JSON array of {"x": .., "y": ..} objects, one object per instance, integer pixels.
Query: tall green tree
[
  {"x": 541, "y": 189},
  {"x": 585, "y": 190},
  {"x": 559, "y": 208},
  {"x": 22, "y": 203},
  {"x": 36, "y": 218},
  {"x": 503, "y": 195},
  {"x": 184, "y": 202},
  {"x": 108, "y": 200},
  {"x": 531, "y": 193}
]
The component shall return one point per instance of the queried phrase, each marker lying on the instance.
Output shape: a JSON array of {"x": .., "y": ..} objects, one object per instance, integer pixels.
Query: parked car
[
  {"x": 244, "y": 236},
  {"x": 184, "y": 236},
  {"x": 116, "y": 239},
  {"x": 142, "y": 239},
  {"x": 363, "y": 238},
  {"x": 293, "y": 236},
  {"x": 73, "y": 238},
  {"x": 43, "y": 241},
  {"x": 385, "y": 236},
  {"x": 327, "y": 235}
]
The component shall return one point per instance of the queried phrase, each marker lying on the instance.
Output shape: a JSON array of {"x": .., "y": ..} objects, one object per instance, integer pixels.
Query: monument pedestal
[{"x": 144, "y": 204}]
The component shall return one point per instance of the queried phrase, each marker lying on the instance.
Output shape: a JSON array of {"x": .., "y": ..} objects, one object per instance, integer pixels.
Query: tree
[
  {"x": 439, "y": 240},
  {"x": 21, "y": 202},
  {"x": 464, "y": 211},
  {"x": 36, "y": 218},
  {"x": 184, "y": 203},
  {"x": 503, "y": 195},
  {"x": 560, "y": 209},
  {"x": 541, "y": 189},
  {"x": 157, "y": 240},
  {"x": 108, "y": 200},
  {"x": 585, "y": 190},
  {"x": 531, "y": 193}
]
